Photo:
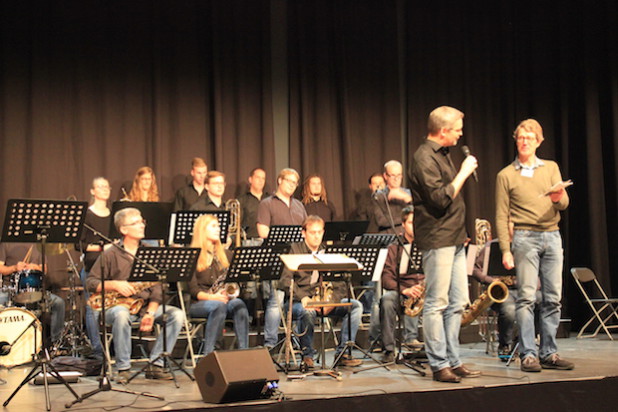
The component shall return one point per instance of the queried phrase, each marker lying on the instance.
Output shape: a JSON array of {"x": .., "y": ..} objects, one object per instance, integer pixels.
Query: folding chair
[
  {"x": 586, "y": 279},
  {"x": 192, "y": 325}
]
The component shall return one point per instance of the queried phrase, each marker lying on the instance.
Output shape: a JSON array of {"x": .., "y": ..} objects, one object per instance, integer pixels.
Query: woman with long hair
[
  {"x": 144, "y": 187},
  {"x": 215, "y": 305}
]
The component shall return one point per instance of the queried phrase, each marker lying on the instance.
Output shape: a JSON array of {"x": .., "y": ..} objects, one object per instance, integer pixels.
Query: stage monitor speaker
[{"x": 235, "y": 375}]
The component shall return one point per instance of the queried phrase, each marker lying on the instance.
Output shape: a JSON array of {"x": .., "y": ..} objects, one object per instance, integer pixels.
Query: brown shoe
[
  {"x": 309, "y": 362},
  {"x": 446, "y": 375},
  {"x": 464, "y": 372}
]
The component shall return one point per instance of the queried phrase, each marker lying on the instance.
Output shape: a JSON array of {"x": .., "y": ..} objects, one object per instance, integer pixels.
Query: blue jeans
[
  {"x": 120, "y": 320},
  {"x": 272, "y": 315},
  {"x": 538, "y": 256},
  {"x": 216, "y": 312},
  {"x": 92, "y": 326},
  {"x": 445, "y": 299},
  {"x": 306, "y": 321},
  {"x": 389, "y": 309},
  {"x": 506, "y": 318}
]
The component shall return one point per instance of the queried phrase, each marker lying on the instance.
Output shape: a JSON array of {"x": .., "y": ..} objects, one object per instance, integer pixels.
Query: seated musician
[
  {"x": 24, "y": 259},
  {"x": 208, "y": 299},
  {"x": 117, "y": 266},
  {"x": 144, "y": 188},
  {"x": 305, "y": 284},
  {"x": 410, "y": 287}
]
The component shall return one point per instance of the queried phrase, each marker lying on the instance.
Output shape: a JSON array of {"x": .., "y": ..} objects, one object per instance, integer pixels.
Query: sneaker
[
  {"x": 388, "y": 357},
  {"x": 158, "y": 372},
  {"x": 554, "y": 361},
  {"x": 123, "y": 376},
  {"x": 530, "y": 364},
  {"x": 347, "y": 360},
  {"x": 504, "y": 353}
]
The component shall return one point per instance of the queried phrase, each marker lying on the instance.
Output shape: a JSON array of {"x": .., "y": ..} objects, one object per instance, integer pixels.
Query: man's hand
[
  {"x": 147, "y": 323},
  {"x": 556, "y": 196},
  {"x": 469, "y": 165},
  {"x": 399, "y": 194},
  {"x": 412, "y": 292},
  {"x": 123, "y": 287},
  {"x": 507, "y": 260}
]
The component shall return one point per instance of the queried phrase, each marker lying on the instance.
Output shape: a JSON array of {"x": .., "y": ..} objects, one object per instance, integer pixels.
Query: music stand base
[
  {"x": 106, "y": 386},
  {"x": 167, "y": 360},
  {"x": 328, "y": 372}
]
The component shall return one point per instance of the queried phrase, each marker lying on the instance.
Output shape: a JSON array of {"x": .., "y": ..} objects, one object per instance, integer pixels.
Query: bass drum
[{"x": 20, "y": 336}]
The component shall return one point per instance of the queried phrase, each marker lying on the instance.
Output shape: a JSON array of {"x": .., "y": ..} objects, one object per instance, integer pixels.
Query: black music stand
[
  {"x": 286, "y": 234},
  {"x": 43, "y": 221},
  {"x": 157, "y": 214},
  {"x": 345, "y": 231},
  {"x": 182, "y": 222},
  {"x": 157, "y": 264},
  {"x": 379, "y": 239}
]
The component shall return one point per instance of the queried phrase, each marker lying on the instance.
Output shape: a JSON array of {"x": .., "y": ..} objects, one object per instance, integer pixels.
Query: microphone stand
[
  {"x": 399, "y": 358},
  {"x": 104, "y": 382}
]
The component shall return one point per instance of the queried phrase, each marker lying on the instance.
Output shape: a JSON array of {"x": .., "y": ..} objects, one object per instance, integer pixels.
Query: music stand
[
  {"x": 182, "y": 222},
  {"x": 157, "y": 214},
  {"x": 379, "y": 239},
  {"x": 42, "y": 221},
  {"x": 345, "y": 231},
  {"x": 158, "y": 264},
  {"x": 284, "y": 234}
]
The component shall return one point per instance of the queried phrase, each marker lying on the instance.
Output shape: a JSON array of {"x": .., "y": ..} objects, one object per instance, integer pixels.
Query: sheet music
[{"x": 377, "y": 272}]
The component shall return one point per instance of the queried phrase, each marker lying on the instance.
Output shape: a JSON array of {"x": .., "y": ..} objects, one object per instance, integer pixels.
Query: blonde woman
[
  {"x": 144, "y": 187},
  {"x": 216, "y": 306}
]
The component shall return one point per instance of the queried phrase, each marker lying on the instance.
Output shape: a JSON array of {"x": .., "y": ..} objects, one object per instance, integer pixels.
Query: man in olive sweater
[{"x": 529, "y": 191}]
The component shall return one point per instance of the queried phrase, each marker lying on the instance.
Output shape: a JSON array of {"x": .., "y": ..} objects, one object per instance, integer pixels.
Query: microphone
[{"x": 466, "y": 151}]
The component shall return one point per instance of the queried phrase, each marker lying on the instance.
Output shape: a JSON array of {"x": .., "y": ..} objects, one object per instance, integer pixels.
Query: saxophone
[
  {"x": 323, "y": 294},
  {"x": 496, "y": 292},
  {"x": 232, "y": 290},
  {"x": 114, "y": 298},
  {"x": 414, "y": 306}
]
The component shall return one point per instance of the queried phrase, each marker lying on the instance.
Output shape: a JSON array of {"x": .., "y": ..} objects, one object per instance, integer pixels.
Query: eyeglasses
[
  {"x": 290, "y": 181},
  {"x": 396, "y": 176},
  {"x": 103, "y": 187},
  {"x": 136, "y": 223},
  {"x": 526, "y": 138}
]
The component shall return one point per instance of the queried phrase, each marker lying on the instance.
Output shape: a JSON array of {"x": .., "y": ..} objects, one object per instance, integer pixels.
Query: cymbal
[{"x": 54, "y": 249}]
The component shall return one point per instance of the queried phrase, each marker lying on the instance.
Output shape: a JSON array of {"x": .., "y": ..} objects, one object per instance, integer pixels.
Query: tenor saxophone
[
  {"x": 414, "y": 306},
  {"x": 497, "y": 292},
  {"x": 114, "y": 298}
]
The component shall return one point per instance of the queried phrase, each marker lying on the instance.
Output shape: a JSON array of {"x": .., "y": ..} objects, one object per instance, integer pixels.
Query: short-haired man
[
  {"x": 439, "y": 226},
  {"x": 188, "y": 195},
  {"x": 375, "y": 182},
  {"x": 529, "y": 191},
  {"x": 117, "y": 266},
  {"x": 278, "y": 209},
  {"x": 250, "y": 201},
  {"x": 215, "y": 188},
  {"x": 305, "y": 284},
  {"x": 393, "y": 197}
]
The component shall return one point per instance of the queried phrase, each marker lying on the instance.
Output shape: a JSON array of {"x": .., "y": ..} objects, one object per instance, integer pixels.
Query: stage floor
[{"x": 594, "y": 359}]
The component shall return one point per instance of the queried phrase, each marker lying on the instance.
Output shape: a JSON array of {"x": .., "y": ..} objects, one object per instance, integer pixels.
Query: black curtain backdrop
[{"x": 95, "y": 88}]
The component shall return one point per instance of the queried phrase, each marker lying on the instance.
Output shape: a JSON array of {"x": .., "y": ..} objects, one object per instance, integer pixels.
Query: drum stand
[{"x": 73, "y": 336}]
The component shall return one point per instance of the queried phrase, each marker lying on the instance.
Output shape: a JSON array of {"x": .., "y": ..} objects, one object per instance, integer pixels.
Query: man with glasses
[
  {"x": 440, "y": 232},
  {"x": 215, "y": 187},
  {"x": 117, "y": 268},
  {"x": 390, "y": 201},
  {"x": 278, "y": 209},
  {"x": 531, "y": 193}
]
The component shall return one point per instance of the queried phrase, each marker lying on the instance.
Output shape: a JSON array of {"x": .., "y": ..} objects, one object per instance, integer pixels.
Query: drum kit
[{"x": 21, "y": 301}]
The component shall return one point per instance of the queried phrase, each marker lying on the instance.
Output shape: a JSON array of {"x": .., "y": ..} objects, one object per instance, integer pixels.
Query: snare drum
[
  {"x": 14, "y": 321},
  {"x": 29, "y": 286}
]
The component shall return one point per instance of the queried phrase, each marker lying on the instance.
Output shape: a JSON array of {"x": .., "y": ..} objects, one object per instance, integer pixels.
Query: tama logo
[{"x": 12, "y": 319}]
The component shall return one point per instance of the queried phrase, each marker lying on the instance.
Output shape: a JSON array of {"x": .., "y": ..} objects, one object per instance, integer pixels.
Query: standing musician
[
  {"x": 393, "y": 197},
  {"x": 315, "y": 199},
  {"x": 305, "y": 284},
  {"x": 215, "y": 188},
  {"x": 410, "y": 287},
  {"x": 98, "y": 216},
  {"x": 188, "y": 195},
  {"x": 250, "y": 201},
  {"x": 210, "y": 297},
  {"x": 117, "y": 266},
  {"x": 440, "y": 231},
  {"x": 144, "y": 188},
  {"x": 530, "y": 191},
  {"x": 15, "y": 260}
]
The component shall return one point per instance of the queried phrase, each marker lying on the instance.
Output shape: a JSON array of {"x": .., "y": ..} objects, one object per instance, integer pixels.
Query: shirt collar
[{"x": 537, "y": 163}]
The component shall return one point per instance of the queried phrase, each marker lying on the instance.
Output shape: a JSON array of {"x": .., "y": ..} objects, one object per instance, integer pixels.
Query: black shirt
[
  {"x": 249, "y": 207},
  {"x": 319, "y": 208},
  {"x": 439, "y": 219},
  {"x": 102, "y": 225},
  {"x": 187, "y": 196},
  {"x": 206, "y": 204}
]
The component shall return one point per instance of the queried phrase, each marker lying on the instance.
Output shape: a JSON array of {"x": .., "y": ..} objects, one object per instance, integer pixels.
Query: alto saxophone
[
  {"x": 322, "y": 294},
  {"x": 232, "y": 290},
  {"x": 114, "y": 298},
  {"x": 414, "y": 306}
]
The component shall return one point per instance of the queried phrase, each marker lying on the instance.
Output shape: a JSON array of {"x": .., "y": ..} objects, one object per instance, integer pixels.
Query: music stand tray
[
  {"x": 157, "y": 214},
  {"x": 284, "y": 234},
  {"x": 379, "y": 239},
  {"x": 182, "y": 222},
  {"x": 251, "y": 263},
  {"x": 345, "y": 231}
]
